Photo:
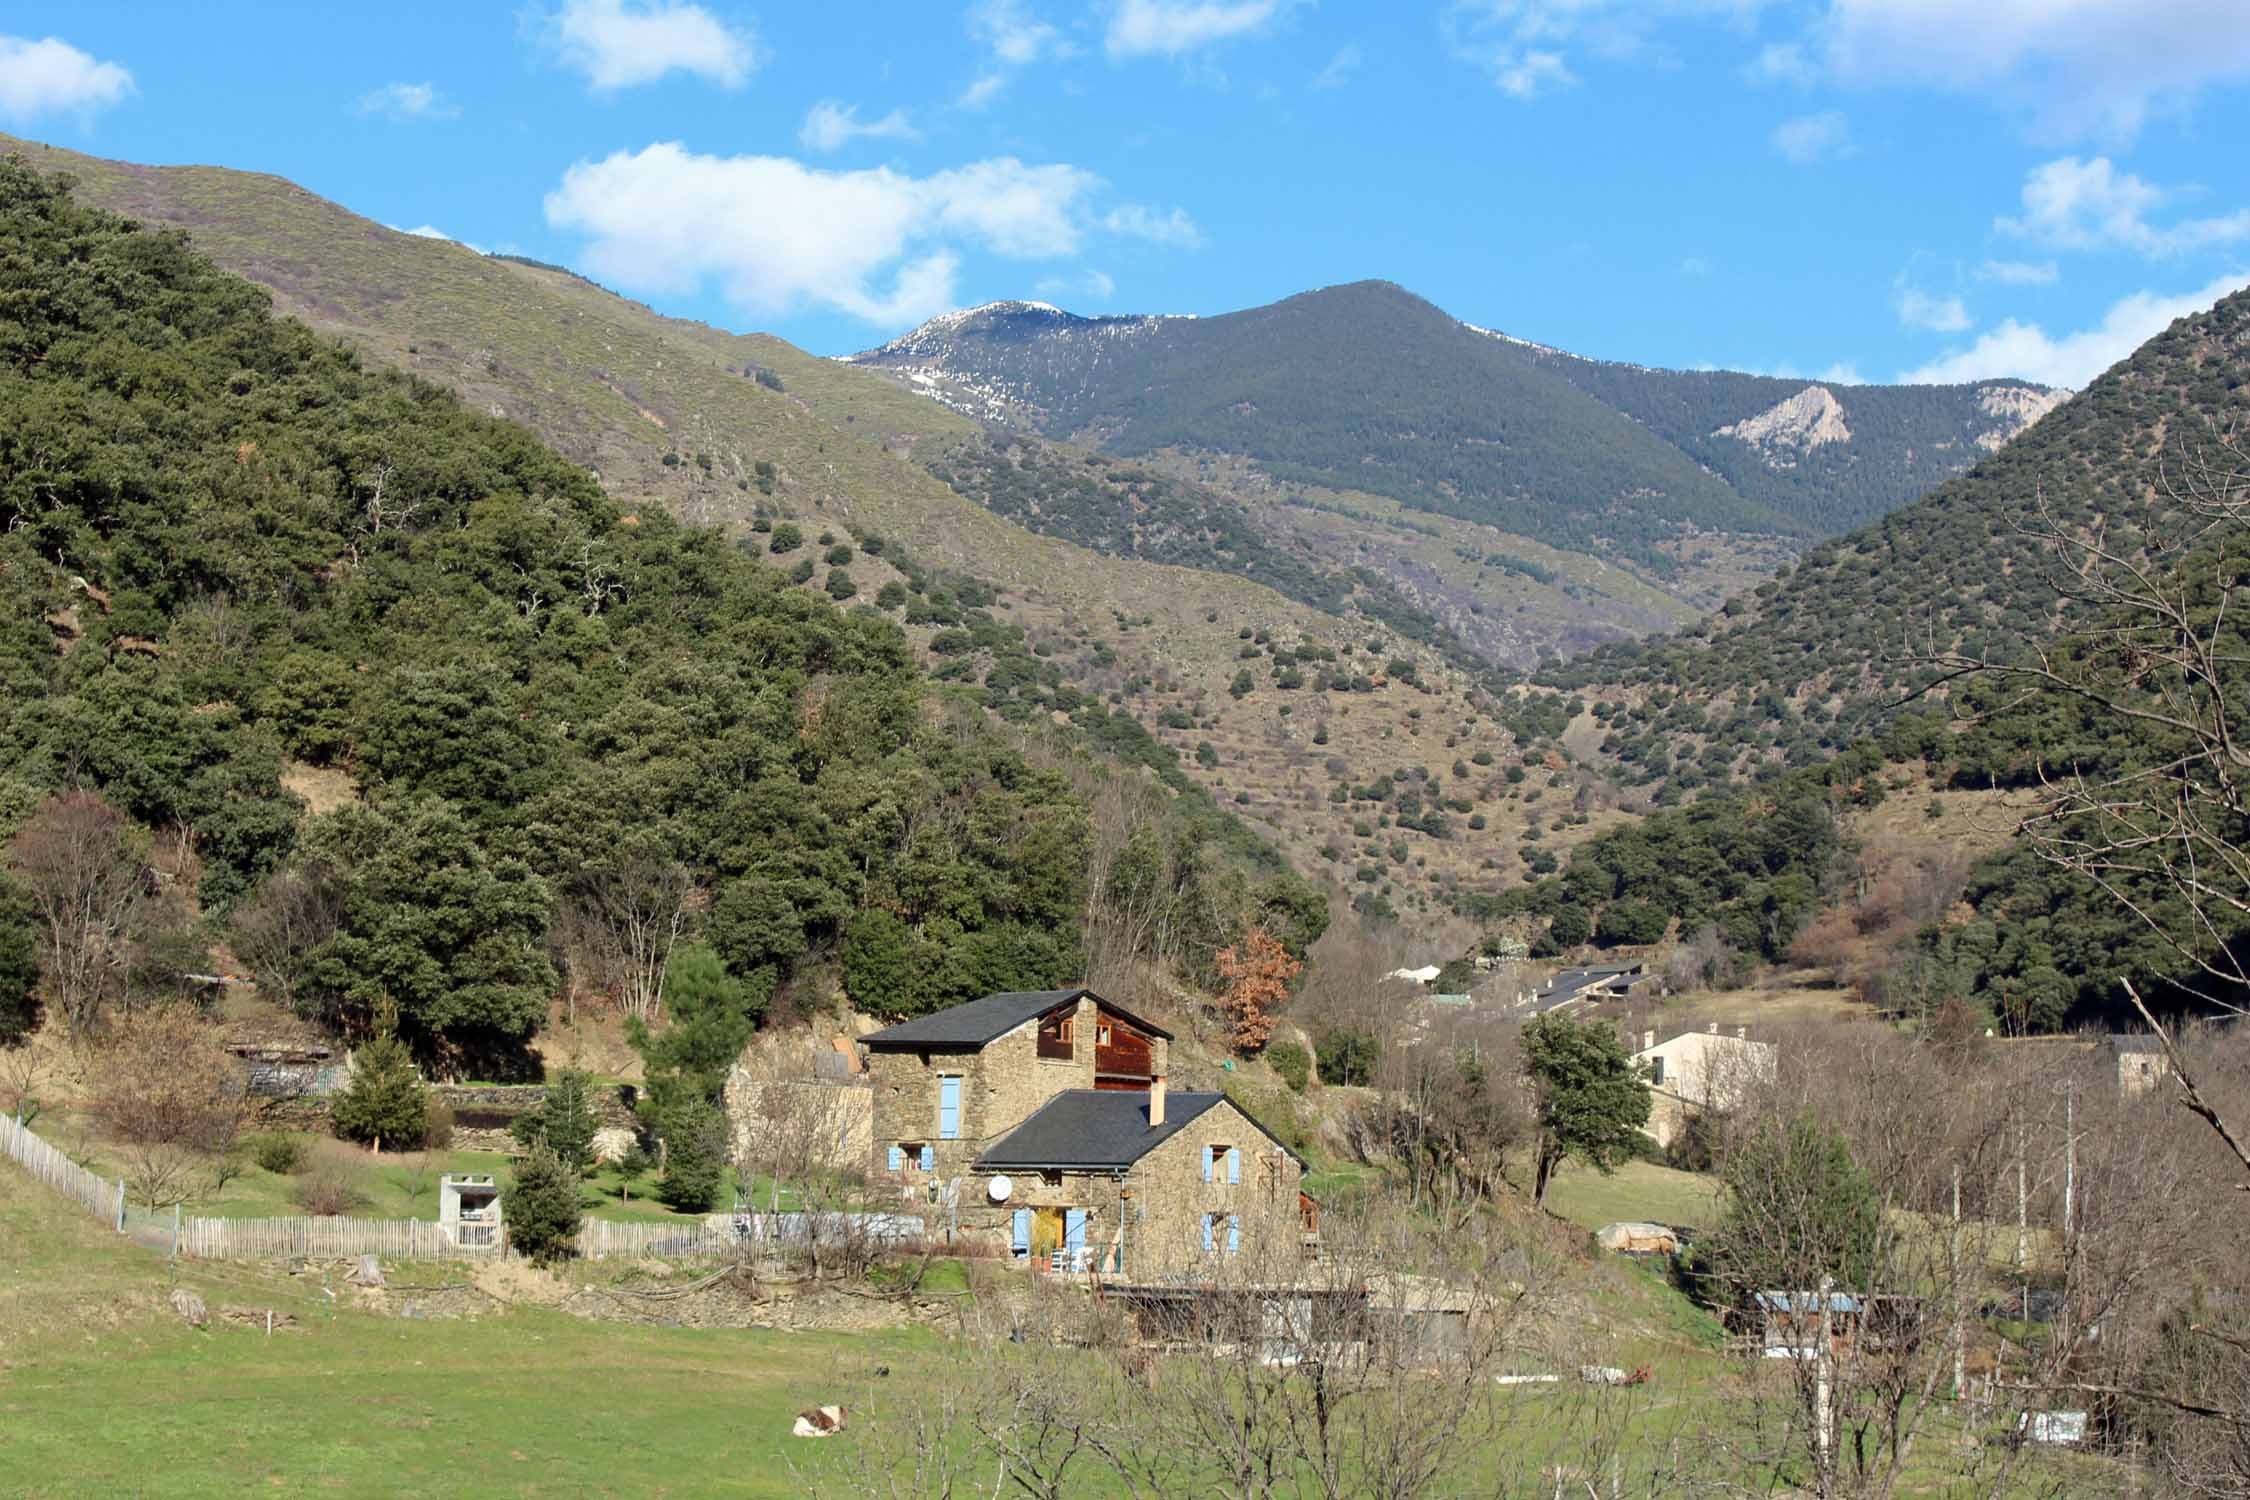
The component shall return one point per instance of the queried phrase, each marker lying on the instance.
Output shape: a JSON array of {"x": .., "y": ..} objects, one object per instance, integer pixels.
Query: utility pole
[
  {"x": 2023, "y": 1204},
  {"x": 1953, "y": 1268},
  {"x": 1824, "y": 1417}
]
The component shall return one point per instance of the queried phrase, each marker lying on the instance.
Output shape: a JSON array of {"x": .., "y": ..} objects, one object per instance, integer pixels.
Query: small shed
[
  {"x": 469, "y": 1210},
  {"x": 1789, "y": 1322}
]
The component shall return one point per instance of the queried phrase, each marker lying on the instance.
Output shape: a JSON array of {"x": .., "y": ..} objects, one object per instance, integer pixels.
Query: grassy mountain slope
[
  {"x": 1812, "y": 659},
  {"x": 1039, "y": 626},
  {"x": 1367, "y": 387}
]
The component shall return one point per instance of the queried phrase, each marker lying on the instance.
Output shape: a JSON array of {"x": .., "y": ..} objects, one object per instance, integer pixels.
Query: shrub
[
  {"x": 839, "y": 556},
  {"x": 1349, "y": 1057},
  {"x": 278, "y": 1152},
  {"x": 437, "y": 1125},
  {"x": 542, "y": 1207},
  {"x": 787, "y": 537},
  {"x": 1292, "y": 1062},
  {"x": 694, "y": 1156},
  {"x": 328, "y": 1189},
  {"x": 563, "y": 1121}
]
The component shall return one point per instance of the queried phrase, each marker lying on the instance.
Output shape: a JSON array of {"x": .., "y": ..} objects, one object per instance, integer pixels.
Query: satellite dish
[{"x": 998, "y": 1189}]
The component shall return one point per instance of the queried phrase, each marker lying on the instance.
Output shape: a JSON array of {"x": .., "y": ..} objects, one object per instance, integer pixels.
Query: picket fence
[
  {"x": 714, "y": 1236},
  {"x": 103, "y": 1199}
]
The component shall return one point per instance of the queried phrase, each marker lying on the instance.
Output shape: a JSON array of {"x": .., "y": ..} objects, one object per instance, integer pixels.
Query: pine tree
[
  {"x": 542, "y": 1207},
  {"x": 385, "y": 1100},
  {"x": 563, "y": 1121},
  {"x": 695, "y": 1156}
]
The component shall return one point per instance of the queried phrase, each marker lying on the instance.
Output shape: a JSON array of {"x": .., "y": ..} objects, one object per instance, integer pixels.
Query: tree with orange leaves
[{"x": 1257, "y": 971}]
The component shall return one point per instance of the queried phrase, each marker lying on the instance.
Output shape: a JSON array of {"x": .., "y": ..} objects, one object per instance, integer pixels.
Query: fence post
[
  {"x": 175, "y": 1231},
  {"x": 120, "y": 1205}
]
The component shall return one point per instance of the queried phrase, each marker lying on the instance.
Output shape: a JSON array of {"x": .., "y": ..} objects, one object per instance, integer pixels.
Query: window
[
  {"x": 1101, "y": 1035},
  {"x": 1058, "y": 1035},
  {"x": 949, "y": 1107},
  {"x": 1216, "y": 1158},
  {"x": 929, "y": 1159},
  {"x": 919, "y": 1153},
  {"x": 1221, "y": 1229},
  {"x": 1019, "y": 1241},
  {"x": 1656, "y": 1070}
]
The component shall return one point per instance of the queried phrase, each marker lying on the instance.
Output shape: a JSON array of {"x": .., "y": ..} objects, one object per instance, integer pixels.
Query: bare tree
[
  {"x": 173, "y": 1095},
  {"x": 279, "y": 933},
  {"x": 626, "y": 916},
  {"x": 86, "y": 870}
]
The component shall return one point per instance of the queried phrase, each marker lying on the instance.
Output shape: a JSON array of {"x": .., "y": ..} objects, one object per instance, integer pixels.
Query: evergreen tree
[
  {"x": 563, "y": 1121},
  {"x": 695, "y": 1155},
  {"x": 709, "y": 1016},
  {"x": 1592, "y": 1100},
  {"x": 385, "y": 1100},
  {"x": 542, "y": 1208},
  {"x": 1799, "y": 1209},
  {"x": 19, "y": 965}
]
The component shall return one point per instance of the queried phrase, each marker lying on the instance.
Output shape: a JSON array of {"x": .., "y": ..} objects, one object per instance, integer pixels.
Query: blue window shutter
[
  {"x": 1234, "y": 1165},
  {"x": 1210, "y": 1153},
  {"x": 1208, "y": 1221},
  {"x": 1074, "y": 1229},
  {"x": 1022, "y": 1231},
  {"x": 898, "y": 1158},
  {"x": 1234, "y": 1236},
  {"x": 929, "y": 1158},
  {"x": 949, "y": 1108}
]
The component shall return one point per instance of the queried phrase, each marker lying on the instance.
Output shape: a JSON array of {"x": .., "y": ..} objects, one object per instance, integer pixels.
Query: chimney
[
  {"x": 1714, "y": 1028},
  {"x": 1742, "y": 1033},
  {"x": 1156, "y": 1101}
]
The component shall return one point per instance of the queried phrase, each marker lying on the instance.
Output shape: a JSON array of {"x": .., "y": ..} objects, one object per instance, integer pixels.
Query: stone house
[
  {"x": 1043, "y": 1123},
  {"x": 2140, "y": 1061},
  {"x": 1692, "y": 1071}
]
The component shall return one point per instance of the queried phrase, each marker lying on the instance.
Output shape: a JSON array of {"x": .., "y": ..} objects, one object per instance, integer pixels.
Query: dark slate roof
[
  {"x": 980, "y": 1021},
  {"x": 1099, "y": 1128}
]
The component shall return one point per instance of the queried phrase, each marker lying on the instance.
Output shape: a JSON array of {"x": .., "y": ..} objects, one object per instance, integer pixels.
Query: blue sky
[{"x": 1942, "y": 189}]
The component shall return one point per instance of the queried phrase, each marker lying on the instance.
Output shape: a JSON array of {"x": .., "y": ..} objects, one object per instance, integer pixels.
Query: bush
[
  {"x": 542, "y": 1207},
  {"x": 278, "y": 1152},
  {"x": 1349, "y": 1057},
  {"x": 563, "y": 1121},
  {"x": 328, "y": 1189},
  {"x": 1292, "y": 1062},
  {"x": 787, "y": 537},
  {"x": 840, "y": 585},
  {"x": 437, "y": 1125},
  {"x": 839, "y": 556}
]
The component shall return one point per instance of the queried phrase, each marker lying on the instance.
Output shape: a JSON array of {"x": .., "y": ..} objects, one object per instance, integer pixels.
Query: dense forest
[{"x": 232, "y": 556}]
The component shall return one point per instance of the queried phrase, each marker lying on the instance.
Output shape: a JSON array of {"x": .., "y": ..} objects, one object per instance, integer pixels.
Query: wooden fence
[{"x": 103, "y": 1199}]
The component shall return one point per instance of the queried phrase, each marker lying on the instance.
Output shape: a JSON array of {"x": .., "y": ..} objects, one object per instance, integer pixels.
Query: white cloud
[
  {"x": 1785, "y": 62},
  {"x": 2070, "y": 204},
  {"x": 2020, "y": 272},
  {"x": 830, "y": 126},
  {"x": 774, "y": 233},
  {"x": 432, "y": 232},
  {"x": 1527, "y": 45},
  {"x": 1925, "y": 310},
  {"x": 1695, "y": 265},
  {"x": 1016, "y": 39},
  {"x": 1092, "y": 285},
  {"x": 1016, "y": 36},
  {"x": 1173, "y": 28},
  {"x": 1142, "y": 223},
  {"x": 1843, "y": 372},
  {"x": 1340, "y": 67},
  {"x": 2073, "y": 67},
  {"x": 407, "y": 101},
  {"x": 1815, "y": 137},
  {"x": 2027, "y": 352},
  {"x": 50, "y": 76},
  {"x": 620, "y": 43}
]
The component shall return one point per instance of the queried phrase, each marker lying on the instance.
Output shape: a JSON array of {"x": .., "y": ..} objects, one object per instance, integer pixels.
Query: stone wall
[{"x": 1002, "y": 1083}]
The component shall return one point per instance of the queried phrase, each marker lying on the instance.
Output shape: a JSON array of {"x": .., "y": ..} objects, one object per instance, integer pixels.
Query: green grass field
[{"x": 1638, "y": 1190}]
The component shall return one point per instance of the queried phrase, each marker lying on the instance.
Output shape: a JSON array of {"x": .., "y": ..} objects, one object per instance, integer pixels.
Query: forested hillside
[
  {"x": 1367, "y": 387},
  {"x": 234, "y": 558},
  {"x": 1812, "y": 660}
]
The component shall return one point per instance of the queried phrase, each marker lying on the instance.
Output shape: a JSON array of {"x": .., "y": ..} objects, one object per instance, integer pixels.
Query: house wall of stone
[
  {"x": 1001, "y": 1085},
  {"x": 1162, "y": 1200}
]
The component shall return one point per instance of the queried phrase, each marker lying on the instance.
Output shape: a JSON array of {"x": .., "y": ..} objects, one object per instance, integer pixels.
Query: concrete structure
[
  {"x": 469, "y": 1210},
  {"x": 1044, "y": 1122},
  {"x": 1692, "y": 1071},
  {"x": 2141, "y": 1062}
]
